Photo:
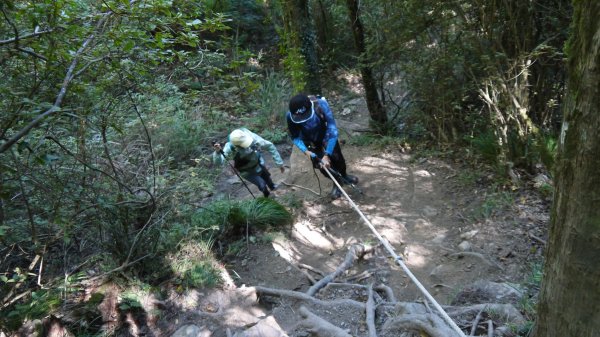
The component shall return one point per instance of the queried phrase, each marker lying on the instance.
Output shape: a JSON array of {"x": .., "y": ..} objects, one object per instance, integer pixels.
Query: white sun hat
[{"x": 240, "y": 138}]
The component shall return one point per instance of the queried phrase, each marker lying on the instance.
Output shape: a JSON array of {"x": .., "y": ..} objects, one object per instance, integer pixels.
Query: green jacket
[{"x": 250, "y": 158}]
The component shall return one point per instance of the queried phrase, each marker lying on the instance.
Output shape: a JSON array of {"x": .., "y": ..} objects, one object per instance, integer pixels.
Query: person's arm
[
  {"x": 331, "y": 135},
  {"x": 266, "y": 145},
  {"x": 218, "y": 157},
  {"x": 295, "y": 134}
]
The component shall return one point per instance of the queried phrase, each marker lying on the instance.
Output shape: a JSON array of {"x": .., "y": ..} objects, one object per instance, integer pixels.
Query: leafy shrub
[
  {"x": 485, "y": 145},
  {"x": 40, "y": 304},
  {"x": 272, "y": 98}
]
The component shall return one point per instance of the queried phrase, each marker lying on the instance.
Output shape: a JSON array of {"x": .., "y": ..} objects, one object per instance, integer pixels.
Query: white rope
[{"x": 399, "y": 260}]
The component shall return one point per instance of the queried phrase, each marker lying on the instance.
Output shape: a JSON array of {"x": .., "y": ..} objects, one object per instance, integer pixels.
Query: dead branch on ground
[{"x": 355, "y": 252}]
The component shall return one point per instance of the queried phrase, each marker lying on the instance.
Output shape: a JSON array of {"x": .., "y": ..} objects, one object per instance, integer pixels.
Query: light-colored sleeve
[
  {"x": 266, "y": 145},
  {"x": 218, "y": 158}
]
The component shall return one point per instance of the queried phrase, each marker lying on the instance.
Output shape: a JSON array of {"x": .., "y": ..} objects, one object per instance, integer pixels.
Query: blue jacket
[{"x": 314, "y": 130}]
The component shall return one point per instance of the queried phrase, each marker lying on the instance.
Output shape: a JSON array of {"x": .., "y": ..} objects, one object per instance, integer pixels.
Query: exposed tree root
[
  {"x": 371, "y": 313},
  {"x": 354, "y": 253},
  {"x": 307, "y": 298},
  {"x": 429, "y": 323},
  {"x": 504, "y": 312},
  {"x": 319, "y": 326},
  {"x": 389, "y": 293}
]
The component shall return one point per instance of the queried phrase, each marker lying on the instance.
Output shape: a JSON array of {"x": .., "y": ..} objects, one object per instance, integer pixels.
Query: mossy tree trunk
[
  {"x": 302, "y": 31},
  {"x": 376, "y": 109},
  {"x": 570, "y": 297}
]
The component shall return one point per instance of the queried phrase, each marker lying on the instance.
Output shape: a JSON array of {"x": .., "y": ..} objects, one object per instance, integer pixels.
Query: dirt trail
[
  {"x": 450, "y": 231},
  {"x": 412, "y": 205}
]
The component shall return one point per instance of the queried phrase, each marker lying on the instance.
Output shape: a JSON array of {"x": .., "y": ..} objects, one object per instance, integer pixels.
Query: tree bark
[
  {"x": 376, "y": 109},
  {"x": 301, "y": 31},
  {"x": 570, "y": 297}
]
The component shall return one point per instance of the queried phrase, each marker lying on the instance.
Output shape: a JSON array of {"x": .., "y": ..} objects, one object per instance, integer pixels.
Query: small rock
[
  {"x": 469, "y": 235},
  {"x": 465, "y": 246},
  {"x": 187, "y": 331},
  {"x": 345, "y": 111},
  {"x": 233, "y": 180},
  {"x": 430, "y": 211}
]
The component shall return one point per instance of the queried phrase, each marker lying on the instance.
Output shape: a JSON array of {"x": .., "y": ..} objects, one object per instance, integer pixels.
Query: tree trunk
[
  {"x": 301, "y": 33},
  {"x": 570, "y": 297},
  {"x": 376, "y": 109}
]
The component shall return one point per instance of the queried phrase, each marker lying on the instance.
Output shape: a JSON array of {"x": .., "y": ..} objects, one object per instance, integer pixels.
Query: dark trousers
[
  {"x": 262, "y": 180},
  {"x": 338, "y": 162}
]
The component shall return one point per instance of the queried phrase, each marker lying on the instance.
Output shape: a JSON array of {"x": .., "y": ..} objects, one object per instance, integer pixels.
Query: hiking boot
[
  {"x": 266, "y": 192},
  {"x": 335, "y": 192},
  {"x": 351, "y": 179},
  {"x": 274, "y": 187}
]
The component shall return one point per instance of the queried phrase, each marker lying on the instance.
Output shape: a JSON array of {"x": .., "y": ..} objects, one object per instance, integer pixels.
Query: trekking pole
[{"x": 235, "y": 171}]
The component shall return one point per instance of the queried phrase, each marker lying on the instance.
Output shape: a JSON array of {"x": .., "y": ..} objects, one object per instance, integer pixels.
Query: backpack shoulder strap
[{"x": 315, "y": 100}]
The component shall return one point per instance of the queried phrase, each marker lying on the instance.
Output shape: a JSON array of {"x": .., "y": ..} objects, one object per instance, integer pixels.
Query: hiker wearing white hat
[{"x": 244, "y": 148}]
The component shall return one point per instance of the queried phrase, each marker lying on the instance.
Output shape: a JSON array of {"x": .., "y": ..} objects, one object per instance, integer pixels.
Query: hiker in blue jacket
[
  {"x": 314, "y": 131},
  {"x": 244, "y": 148}
]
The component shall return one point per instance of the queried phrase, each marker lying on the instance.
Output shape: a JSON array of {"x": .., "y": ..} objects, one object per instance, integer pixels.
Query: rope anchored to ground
[{"x": 398, "y": 259}]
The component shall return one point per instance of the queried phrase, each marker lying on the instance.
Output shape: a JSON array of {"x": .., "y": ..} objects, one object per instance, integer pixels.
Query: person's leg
[
  {"x": 266, "y": 175},
  {"x": 258, "y": 180},
  {"x": 338, "y": 163}
]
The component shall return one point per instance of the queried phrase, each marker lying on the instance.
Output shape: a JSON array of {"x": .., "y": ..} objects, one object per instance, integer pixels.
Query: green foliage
[
  {"x": 494, "y": 203},
  {"x": 194, "y": 265},
  {"x": 277, "y": 136},
  {"x": 39, "y": 305},
  {"x": 227, "y": 216},
  {"x": 130, "y": 301},
  {"x": 486, "y": 146},
  {"x": 291, "y": 200},
  {"x": 272, "y": 98},
  {"x": 295, "y": 66}
]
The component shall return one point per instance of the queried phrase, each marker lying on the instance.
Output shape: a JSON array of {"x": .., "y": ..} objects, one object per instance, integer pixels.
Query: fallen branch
[
  {"x": 362, "y": 276},
  {"x": 314, "y": 270},
  {"x": 538, "y": 239},
  {"x": 355, "y": 252},
  {"x": 120, "y": 268},
  {"x": 302, "y": 187},
  {"x": 370, "y": 309},
  {"x": 490, "y": 328},
  {"x": 319, "y": 326},
  {"x": 7, "y": 301},
  {"x": 307, "y": 298}
]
